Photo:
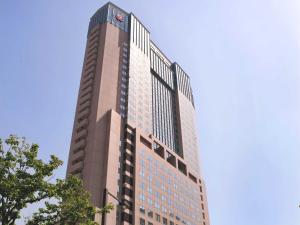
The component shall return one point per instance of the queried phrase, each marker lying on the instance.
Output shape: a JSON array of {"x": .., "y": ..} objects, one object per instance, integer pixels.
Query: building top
[{"x": 110, "y": 13}]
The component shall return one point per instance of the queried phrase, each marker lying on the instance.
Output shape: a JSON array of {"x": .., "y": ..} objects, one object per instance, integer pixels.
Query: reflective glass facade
[{"x": 165, "y": 192}]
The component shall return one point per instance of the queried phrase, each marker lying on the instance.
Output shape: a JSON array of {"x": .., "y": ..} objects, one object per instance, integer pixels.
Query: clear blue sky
[{"x": 243, "y": 58}]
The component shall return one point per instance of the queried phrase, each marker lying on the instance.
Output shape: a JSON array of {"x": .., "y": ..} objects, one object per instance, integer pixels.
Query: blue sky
[{"x": 243, "y": 58}]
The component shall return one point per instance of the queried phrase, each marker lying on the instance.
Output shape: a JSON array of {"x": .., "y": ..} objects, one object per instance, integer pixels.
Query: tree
[
  {"x": 24, "y": 179},
  {"x": 71, "y": 206}
]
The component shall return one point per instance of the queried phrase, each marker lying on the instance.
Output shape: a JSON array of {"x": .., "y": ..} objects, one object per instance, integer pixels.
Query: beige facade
[
  {"x": 98, "y": 95},
  {"x": 134, "y": 142}
]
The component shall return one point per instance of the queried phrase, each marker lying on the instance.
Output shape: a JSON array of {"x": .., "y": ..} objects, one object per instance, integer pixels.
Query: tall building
[{"x": 134, "y": 140}]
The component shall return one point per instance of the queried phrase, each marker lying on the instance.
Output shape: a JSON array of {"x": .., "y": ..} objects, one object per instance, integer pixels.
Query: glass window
[
  {"x": 150, "y": 201},
  {"x": 165, "y": 221},
  {"x": 142, "y": 221},
  {"x": 142, "y": 209},
  {"x": 150, "y": 213},
  {"x": 142, "y": 197},
  {"x": 157, "y": 217},
  {"x": 142, "y": 185},
  {"x": 157, "y": 205}
]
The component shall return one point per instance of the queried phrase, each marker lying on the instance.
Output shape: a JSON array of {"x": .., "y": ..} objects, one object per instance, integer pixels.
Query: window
[
  {"x": 142, "y": 185},
  {"x": 165, "y": 221},
  {"x": 142, "y": 197},
  {"x": 150, "y": 201},
  {"x": 149, "y": 223},
  {"x": 150, "y": 213},
  {"x": 142, "y": 209},
  {"x": 157, "y": 217},
  {"x": 142, "y": 221},
  {"x": 142, "y": 173},
  {"x": 157, "y": 194},
  {"x": 157, "y": 205}
]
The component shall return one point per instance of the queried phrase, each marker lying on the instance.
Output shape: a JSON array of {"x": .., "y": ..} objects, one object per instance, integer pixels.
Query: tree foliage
[
  {"x": 23, "y": 177},
  {"x": 24, "y": 180},
  {"x": 71, "y": 207}
]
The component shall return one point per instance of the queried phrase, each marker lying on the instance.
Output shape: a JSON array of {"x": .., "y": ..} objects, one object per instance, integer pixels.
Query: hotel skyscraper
[{"x": 134, "y": 140}]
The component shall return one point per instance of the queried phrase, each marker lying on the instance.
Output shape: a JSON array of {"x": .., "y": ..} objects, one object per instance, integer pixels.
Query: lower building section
[
  {"x": 165, "y": 191},
  {"x": 155, "y": 185}
]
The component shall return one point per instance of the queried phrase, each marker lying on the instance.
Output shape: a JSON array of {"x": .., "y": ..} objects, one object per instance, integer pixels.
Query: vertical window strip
[
  {"x": 187, "y": 86},
  {"x": 184, "y": 84},
  {"x": 169, "y": 79},
  {"x": 168, "y": 112},
  {"x": 164, "y": 73},
  {"x": 151, "y": 60},
  {"x": 153, "y": 106},
  {"x": 136, "y": 32},
  {"x": 180, "y": 79},
  {"x": 167, "y": 74},
  {"x": 133, "y": 30},
  {"x": 156, "y": 64},
  {"x": 163, "y": 97},
  {"x": 157, "y": 107},
  {"x": 162, "y": 70},
  {"x": 174, "y": 120},
  {"x": 171, "y": 121},
  {"x": 142, "y": 39},
  {"x": 189, "y": 90},
  {"x": 148, "y": 45},
  {"x": 144, "y": 42},
  {"x": 160, "y": 112},
  {"x": 165, "y": 119},
  {"x": 183, "y": 81},
  {"x": 172, "y": 78},
  {"x": 168, "y": 119},
  {"x": 140, "y": 36}
]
